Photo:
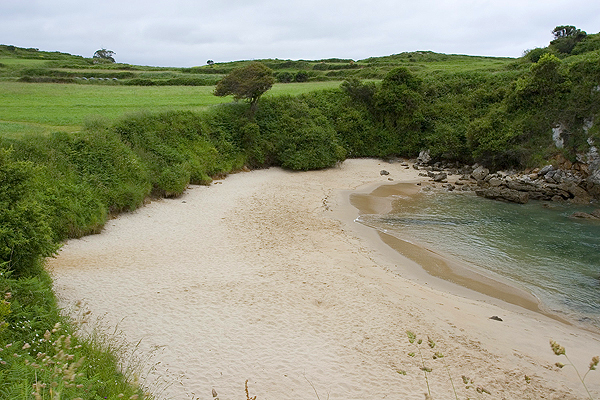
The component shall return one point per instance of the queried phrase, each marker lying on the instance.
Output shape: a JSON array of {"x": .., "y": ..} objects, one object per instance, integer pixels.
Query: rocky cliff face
[{"x": 593, "y": 162}]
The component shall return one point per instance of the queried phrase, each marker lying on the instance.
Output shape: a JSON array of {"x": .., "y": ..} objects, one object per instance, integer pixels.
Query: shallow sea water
[{"x": 537, "y": 246}]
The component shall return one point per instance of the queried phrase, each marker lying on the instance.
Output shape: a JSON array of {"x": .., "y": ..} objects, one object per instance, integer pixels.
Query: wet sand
[
  {"x": 265, "y": 276},
  {"x": 439, "y": 265}
]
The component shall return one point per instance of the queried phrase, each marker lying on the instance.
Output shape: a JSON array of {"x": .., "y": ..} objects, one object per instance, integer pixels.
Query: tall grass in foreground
[
  {"x": 426, "y": 350},
  {"x": 43, "y": 356},
  {"x": 560, "y": 351}
]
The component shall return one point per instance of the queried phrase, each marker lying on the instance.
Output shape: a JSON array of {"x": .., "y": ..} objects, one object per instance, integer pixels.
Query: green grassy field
[
  {"x": 121, "y": 88},
  {"x": 46, "y": 107},
  {"x": 21, "y": 61}
]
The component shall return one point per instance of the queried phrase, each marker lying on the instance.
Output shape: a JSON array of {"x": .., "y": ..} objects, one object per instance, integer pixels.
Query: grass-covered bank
[{"x": 42, "y": 356}]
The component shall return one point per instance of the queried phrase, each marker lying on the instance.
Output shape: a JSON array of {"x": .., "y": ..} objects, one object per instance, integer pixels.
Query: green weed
[
  {"x": 44, "y": 357},
  {"x": 561, "y": 351}
]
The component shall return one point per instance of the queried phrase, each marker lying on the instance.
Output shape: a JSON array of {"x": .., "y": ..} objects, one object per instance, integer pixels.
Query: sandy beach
[{"x": 264, "y": 276}]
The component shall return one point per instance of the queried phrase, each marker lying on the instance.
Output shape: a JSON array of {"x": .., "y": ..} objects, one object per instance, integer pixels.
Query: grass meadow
[{"x": 46, "y": 107}]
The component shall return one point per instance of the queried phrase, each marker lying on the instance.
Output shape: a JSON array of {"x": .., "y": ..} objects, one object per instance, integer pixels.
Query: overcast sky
[{"x": 186, "y": 33}]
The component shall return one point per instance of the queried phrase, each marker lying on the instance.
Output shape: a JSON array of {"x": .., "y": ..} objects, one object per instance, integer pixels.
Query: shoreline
[
  {"x": 377, "y": 200},
  {"x": 265, "y": 276}
]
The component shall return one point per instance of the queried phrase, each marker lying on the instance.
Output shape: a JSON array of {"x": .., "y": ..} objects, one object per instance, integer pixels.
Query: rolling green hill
[{"x": 32, "y": 65}]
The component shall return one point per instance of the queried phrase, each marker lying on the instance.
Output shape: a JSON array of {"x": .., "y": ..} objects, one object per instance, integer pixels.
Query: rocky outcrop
[
  {"x": 424, "y": 157},
  {"x": 576, "y": 182},
  {"x": 546, "y": 184},
  {"x": 505, "y": 194},
  {"x": 440, "y": 177},
  {"x": 593, "y": 162}
]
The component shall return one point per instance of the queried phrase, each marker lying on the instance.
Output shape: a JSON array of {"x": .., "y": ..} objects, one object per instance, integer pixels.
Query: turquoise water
[{"x": 536, "y": 245}]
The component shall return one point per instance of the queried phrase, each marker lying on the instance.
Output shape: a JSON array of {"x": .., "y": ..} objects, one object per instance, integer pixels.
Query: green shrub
[
  {"x": 44, "y": 79},
  {"x": 534, "y": 55},
  {"x": 301, "y": 76},
  {"x": 71, "y": 205},
  {"x": 302, "y": 137},
  {"x": 284, "y": 77},
  {"x": 25, "y": 236},
  {"x": 139, "y": 82},
  {"x": 175, "y": 149},
  {"x": 82, "y": 177},
  {"x": 352, "y": 119},
  {"x": 589, "y": 44},
  {"x": 492, "y": 140}
]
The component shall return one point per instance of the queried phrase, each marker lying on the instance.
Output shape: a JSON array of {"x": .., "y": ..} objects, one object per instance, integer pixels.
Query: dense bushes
[
  {"x": 497, "y": 118},
  {"x": 297, "y": 136},
  {"x": 175, "y": 81},
  {"x": 83, "y": 177},
  {"x": 176, "y": 150},
  {"x": 25, "y": 236}
]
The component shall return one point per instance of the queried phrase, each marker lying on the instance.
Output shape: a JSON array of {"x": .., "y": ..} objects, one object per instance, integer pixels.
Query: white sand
[{"x": 264, "y": 276}]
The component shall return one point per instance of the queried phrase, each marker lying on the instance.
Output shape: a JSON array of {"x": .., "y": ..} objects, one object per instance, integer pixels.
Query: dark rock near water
[
  {"x": 582, "y": 215},
  {"x": 480, "y": 173},
  {"x": 383, "y": 172},
  {"x": 424, "y": 157},
  {"x": 505, "y": 194},
  {"x": 439, "y": 177},
  {"x": 576, "y": 182}
]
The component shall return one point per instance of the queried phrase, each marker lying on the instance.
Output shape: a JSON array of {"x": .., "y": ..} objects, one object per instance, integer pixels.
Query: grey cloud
[{"x": 187, "y": 32}]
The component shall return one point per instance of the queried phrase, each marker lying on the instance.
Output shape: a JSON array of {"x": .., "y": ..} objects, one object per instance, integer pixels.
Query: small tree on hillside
[
  {"x": 566, "y": 37},
  {"x": 104, "y": 56},
  {"x": 247, "y": 83}
]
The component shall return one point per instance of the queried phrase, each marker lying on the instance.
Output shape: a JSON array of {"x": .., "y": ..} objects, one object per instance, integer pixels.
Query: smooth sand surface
[{"x": 265, "y": 277}]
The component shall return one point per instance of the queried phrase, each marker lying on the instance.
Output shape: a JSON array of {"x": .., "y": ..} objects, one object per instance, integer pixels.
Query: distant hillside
[{"x": 33, "y": 65}]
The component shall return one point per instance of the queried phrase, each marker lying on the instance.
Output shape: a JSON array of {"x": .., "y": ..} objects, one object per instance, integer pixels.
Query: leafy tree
[
  {"x": 248, "y": 83},
  {"x": 564, "y": 31},
  {"x": 359, "y": 91},
  {"x": 104, "y": 56},
  {"x": 398, "y": 104},
  {"x": 566, "y": 37},
  {"x": 544, "y": 85},
  {"x": 399, "y": 98}
]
